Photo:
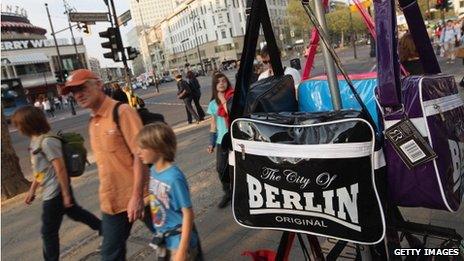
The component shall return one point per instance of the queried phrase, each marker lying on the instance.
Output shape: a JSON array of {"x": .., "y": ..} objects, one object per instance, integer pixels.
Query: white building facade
[
  {"x": 147, "y": 13},
  {"x": 458, "y": 7},
  {"x": 213, "y": 28}
]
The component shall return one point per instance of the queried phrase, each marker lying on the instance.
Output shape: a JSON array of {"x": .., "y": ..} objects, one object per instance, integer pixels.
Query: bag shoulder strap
[
  {"x": 42, "y": 138},
  {"x": 116, "y": 114},
  {"x": 259, "y": 15},
  {"x": 420, "y": 36},
  {"x": 387, "y": 54},
  {"x": 117, "y": 122}
]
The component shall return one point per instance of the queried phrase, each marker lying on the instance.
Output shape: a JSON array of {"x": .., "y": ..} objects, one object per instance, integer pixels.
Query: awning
[{"x": 32, "y": 58}]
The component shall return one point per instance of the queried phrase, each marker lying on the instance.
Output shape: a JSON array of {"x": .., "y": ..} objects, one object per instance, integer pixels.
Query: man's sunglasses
[{"x": 77, "y": 89}]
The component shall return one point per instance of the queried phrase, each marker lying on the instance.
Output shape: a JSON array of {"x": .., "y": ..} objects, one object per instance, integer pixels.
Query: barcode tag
[{"x": 412, "y": 148}]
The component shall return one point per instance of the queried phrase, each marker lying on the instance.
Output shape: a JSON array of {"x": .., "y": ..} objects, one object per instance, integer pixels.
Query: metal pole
[
  {"x": 183, "y": 49},
  {"x": 109, "y": 13},
  {"x": 329, "y": 64},
  {"x": 123, "y": 55},
  {"x": 67, "y": 9},
  {"x": 196, "y": 40},
  {"x": 60, "y": 62}
]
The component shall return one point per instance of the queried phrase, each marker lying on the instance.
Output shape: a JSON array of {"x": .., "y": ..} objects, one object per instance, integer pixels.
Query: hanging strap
[
  {"x": 259, "y": 15},
  {"x": 420, "y": 36},
  {"x": 388, "y": 65}
]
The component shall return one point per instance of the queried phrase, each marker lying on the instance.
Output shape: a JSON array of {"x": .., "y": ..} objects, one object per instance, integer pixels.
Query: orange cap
[{"x": 78, "y": 77}]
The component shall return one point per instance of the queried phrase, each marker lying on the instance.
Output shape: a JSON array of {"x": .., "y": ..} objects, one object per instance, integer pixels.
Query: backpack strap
[
  {"x": 116, "y": 121},
  {"x": 42, "y": 138},
  {"x": 116, "y": 114}
]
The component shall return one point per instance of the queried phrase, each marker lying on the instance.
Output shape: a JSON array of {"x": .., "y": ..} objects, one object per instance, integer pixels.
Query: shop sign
[{"x": 39, "y": 43}]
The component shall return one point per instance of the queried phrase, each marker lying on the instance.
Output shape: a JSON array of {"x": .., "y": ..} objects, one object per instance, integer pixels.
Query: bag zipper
[
  {"x": 318, "y": 151},
  {"x": 442, "y": 105}
]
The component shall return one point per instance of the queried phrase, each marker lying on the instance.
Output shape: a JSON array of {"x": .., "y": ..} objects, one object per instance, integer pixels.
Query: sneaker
[{"x": 225, "y": 201}]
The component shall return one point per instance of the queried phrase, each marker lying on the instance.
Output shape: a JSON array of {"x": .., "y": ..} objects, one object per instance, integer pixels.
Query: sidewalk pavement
[{"x": 223, "y": 239}]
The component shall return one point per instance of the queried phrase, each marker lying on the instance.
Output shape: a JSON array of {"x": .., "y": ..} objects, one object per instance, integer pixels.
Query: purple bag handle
[
  {"x": 420, "y": 36},
  {"x": 388, "y": 65},
  {"x": 387, "y": 54}
]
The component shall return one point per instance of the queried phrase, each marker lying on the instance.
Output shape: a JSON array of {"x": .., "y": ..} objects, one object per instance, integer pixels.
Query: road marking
[{"x": 373, "y": 68}]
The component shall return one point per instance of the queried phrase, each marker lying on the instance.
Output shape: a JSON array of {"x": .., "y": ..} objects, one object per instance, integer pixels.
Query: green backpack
[{"x": 74, "y": 152}]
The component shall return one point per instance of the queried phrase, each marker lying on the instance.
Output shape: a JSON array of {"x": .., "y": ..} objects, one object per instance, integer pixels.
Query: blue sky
[{"x": 38, "y": 16}]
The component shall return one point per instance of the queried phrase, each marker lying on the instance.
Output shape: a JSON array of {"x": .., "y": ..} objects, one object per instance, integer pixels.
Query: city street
[{"x": 221, "y": 236}]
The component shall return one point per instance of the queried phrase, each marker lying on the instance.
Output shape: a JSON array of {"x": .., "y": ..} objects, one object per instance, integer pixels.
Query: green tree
[
  {"x": 298, "y": 19},
  {"x": 339, "y": 24}
]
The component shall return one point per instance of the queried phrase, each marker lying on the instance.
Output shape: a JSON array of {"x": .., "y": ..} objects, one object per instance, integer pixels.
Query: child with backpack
[
  {"x": 222, "y": 91},
  {"x": 50, "y": 172},
  {"x": 171, "y": 207}
]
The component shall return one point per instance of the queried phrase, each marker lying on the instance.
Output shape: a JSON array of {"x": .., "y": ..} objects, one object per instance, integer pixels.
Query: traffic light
[
  {"x": 86, "y": 29},
  {"x": 132, "y": 53},
  {"x": 58, "y": 76},
  {"x": 114, "y": 43}
]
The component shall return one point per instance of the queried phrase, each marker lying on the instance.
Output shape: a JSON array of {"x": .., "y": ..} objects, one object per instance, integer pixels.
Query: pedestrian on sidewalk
[
  {"x": 50, "y": 172},
  {"x": 222, "y": 91},
  {"x": 448, "y": 40},
  {"x": 184, "y": 92},
  {"x": 171, "y": 207},
  {"x": 47, "y": 106},
  {"x": 196, "y": 93},
  {"x": 57, "y": 103},
  {"x": 118, "y": 94},
  {"x": 121, "y": 173}
]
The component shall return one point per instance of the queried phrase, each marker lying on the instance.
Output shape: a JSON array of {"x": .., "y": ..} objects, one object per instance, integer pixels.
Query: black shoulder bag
[
  {"x": 273, "y": 94},
  {"x": 310, "y": 173}
]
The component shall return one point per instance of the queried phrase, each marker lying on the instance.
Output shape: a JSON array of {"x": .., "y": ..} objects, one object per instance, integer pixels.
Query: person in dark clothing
[
  {"x": 196, "y": 93},
  {"x": 118, "y": 94},
  {"x": 185, "y": 93}
]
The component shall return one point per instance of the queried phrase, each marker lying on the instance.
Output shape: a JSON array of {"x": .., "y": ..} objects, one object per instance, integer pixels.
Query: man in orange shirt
[{"x": 122, "y": 174}]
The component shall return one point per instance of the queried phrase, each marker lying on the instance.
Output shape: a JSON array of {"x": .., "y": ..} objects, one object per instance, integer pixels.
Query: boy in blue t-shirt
[{"x": 170, "y": 203}]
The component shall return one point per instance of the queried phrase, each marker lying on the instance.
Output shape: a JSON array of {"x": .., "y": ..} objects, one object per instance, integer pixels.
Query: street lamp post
[
  {"x": 193, "y": 17},
  {"x": 68, "y": 9},
  {"x": 183, "y": 49}
]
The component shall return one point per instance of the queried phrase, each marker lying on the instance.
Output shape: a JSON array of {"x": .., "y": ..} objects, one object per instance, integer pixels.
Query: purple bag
[{"x": 433, "y": 105}]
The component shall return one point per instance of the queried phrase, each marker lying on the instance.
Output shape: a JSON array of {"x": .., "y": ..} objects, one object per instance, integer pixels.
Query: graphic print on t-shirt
[{"x": 159, "y": 201}]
